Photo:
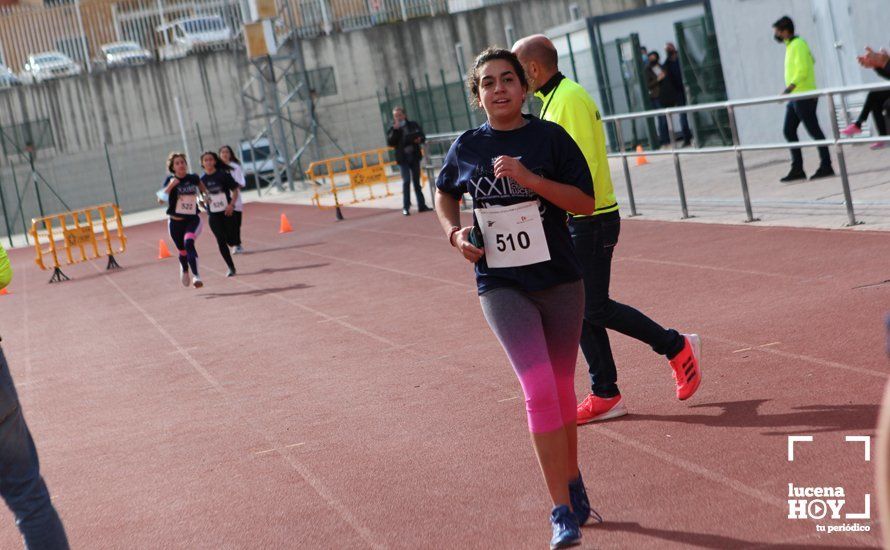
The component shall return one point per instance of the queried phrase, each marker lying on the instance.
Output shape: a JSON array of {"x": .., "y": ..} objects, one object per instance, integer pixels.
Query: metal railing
[
  {"x": 730, "y": 106},
  {"x": 738, "y": 148}
]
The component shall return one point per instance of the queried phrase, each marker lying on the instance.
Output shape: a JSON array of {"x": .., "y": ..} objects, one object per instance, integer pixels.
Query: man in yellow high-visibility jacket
[
  {"x": 594, "y": 238},
  {"x": 800, "y": 77},
  {"x": 21, "y": 485}
]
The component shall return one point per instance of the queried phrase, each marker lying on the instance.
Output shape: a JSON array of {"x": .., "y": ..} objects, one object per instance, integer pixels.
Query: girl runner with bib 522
[
  {"x": 523, "y": 175},
  {"x": 180, "y": 192}
]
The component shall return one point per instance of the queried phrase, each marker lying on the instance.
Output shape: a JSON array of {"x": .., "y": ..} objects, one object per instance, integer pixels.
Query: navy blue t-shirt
[
  {"x": 220, "y": 182},
  {"x": 188, "y": 185},
  {"x": 544, "y": 148}
]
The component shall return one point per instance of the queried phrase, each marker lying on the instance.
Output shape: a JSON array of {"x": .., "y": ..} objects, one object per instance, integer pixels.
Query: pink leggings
[{"x": 540, "y": 333}]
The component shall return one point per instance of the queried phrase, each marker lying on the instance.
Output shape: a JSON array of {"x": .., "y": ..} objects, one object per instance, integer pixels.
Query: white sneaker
[
  {"x": 238, "y": 250},
  {"x": 184, "y": 277},
  {"x": 231, "y": 273},
  {"x": 197, "y": 281}
]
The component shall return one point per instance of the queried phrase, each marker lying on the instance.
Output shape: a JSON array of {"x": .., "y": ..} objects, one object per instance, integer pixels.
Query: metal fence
[
  {"x": 79, "y": 29},
  {"x": 738, "y": 148},
  {"x": 437, "y": 144}
]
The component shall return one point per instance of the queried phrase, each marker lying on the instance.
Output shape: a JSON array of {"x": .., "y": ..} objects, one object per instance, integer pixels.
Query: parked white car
[
  {"x": 261, "y": 164},
  {"x": 121, "y": 54},
  {"x": 184, "y": 36},
  {"x": 49, "y": 65}
]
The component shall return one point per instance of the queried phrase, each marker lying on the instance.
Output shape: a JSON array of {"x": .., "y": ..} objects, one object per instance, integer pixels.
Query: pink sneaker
[
  {"x": 594, "y": 409},
  {"x": 687, "y": 372},
  {"x": 851, "y": 130},
  {"x": 878, "y": 145}
]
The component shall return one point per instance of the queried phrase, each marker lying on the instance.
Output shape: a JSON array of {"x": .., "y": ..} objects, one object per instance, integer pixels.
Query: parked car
[
  {"x": 184, "y": 36},
  {"x": 121, "y": 54},
  {"x": 8, "y": 78},
  {"x": 261, "y": 164},
  {"x": 49, "y": 65}
]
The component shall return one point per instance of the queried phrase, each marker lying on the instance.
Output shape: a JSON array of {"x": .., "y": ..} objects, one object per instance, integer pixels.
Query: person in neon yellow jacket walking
[
  {"x": 594, "y": 238},
  {"x": 5, "y": 269},
  {"x": 21, "y": 485},
  {"x": 800, "y": 77}
]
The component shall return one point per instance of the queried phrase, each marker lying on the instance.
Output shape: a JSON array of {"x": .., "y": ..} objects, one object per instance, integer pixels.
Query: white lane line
[
  {"x": 800, "y": 357},
  {"x": 756, "y": 347},
  {"x": 703, "y": 472},
  {"x": 300, "y": 468},
  {"x": 372, "y": 266},
  {"x": 333, "y": 319},
  {"x": 713, "y": 268},
  {"x": 323, "y": 315},
  {"x": 285, "y": 447}
]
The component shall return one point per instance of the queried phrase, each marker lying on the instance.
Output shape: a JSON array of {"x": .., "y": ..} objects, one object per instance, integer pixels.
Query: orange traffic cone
[
  {"x": 285, "y": 225},
  {"x": 641, "y": 160},
  {"x": 163, "y": 252}
]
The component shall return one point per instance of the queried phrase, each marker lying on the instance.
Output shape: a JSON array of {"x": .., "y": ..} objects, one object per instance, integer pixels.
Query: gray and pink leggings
[
  {"x": 184, "y": 232},
  {"x": 540, "y": 333}
]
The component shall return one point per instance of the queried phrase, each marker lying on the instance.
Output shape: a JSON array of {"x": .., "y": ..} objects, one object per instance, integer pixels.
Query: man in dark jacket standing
[
  {"x": 661, "y": 94},
  {"x": 406, "y": 136},
  {"x": 675, "y": 76}
]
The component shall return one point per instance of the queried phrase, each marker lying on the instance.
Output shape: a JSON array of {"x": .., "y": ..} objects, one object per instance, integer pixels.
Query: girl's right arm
[{"x": 448, "y": 209}]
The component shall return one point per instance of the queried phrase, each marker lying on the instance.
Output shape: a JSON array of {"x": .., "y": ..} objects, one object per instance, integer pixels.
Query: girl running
[
  {"x": 181, "y": 193},
  {"x": 228, "y": 156},
  {"x": 222, "y": 192},
  {"x": 523, "y": 175}
]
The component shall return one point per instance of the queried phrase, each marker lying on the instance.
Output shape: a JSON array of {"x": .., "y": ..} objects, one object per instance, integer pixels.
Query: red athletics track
[{"x": 344, "y": 391}]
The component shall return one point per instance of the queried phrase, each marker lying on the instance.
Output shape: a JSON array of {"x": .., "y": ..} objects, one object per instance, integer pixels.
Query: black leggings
[
  {"x": 184, "y": 232},
  {"x": 874, "y": 104},
  {"x": 224, "y": 228},
  {"x": 237, "y": 215}
]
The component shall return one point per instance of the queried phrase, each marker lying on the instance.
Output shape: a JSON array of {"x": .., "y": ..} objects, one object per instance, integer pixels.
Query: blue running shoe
[
  {"x": 578, "y": 497},
  {"x": 580, "y": 504},
  {"x": 566, "y": 531}
]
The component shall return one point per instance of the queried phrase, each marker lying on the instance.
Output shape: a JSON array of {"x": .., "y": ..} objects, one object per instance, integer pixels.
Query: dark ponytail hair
[{"x": 232, "y": 153}]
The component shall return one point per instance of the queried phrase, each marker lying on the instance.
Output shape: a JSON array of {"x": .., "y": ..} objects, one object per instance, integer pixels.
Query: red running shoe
[
  {"x": 687, "y": 373},
  {"x": 594, "y": 408}
]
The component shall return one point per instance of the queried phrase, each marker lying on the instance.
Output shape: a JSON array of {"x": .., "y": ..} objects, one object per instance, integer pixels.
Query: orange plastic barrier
[{"x": 82, "y": 231}]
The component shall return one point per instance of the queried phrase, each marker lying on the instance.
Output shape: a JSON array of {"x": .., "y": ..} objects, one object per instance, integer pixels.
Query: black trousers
[
  {"x": 223, "y": 228},
  {"x": 594, "y": 239},
  {"x": 411, "y": 173},
  {"x": 804, "y": 110},
  {"x": 237, "y": 237},
  {"x": 874, "y": 105}
]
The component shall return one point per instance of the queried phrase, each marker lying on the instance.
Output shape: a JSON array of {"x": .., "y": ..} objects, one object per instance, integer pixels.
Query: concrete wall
[
  {"x": 366, "y": 62},
  {"x": 132, "y": 110},
  {"x": 753, "y": 64}
]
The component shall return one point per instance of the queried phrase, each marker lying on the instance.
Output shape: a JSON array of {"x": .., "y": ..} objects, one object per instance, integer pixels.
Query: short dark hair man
[
  {"x": 675, "y": 77},
  {"x": 661, "y": 93},
  {"x": 406, "y": 136},
  {"x": 800, "y": 76}
]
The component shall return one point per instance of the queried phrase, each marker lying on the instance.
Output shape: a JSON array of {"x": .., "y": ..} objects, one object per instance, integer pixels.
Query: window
[
  {"x": 510, "y": 34},
  {"x": 321, "y": 80},
  {"x": 574, "y": 12}
]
